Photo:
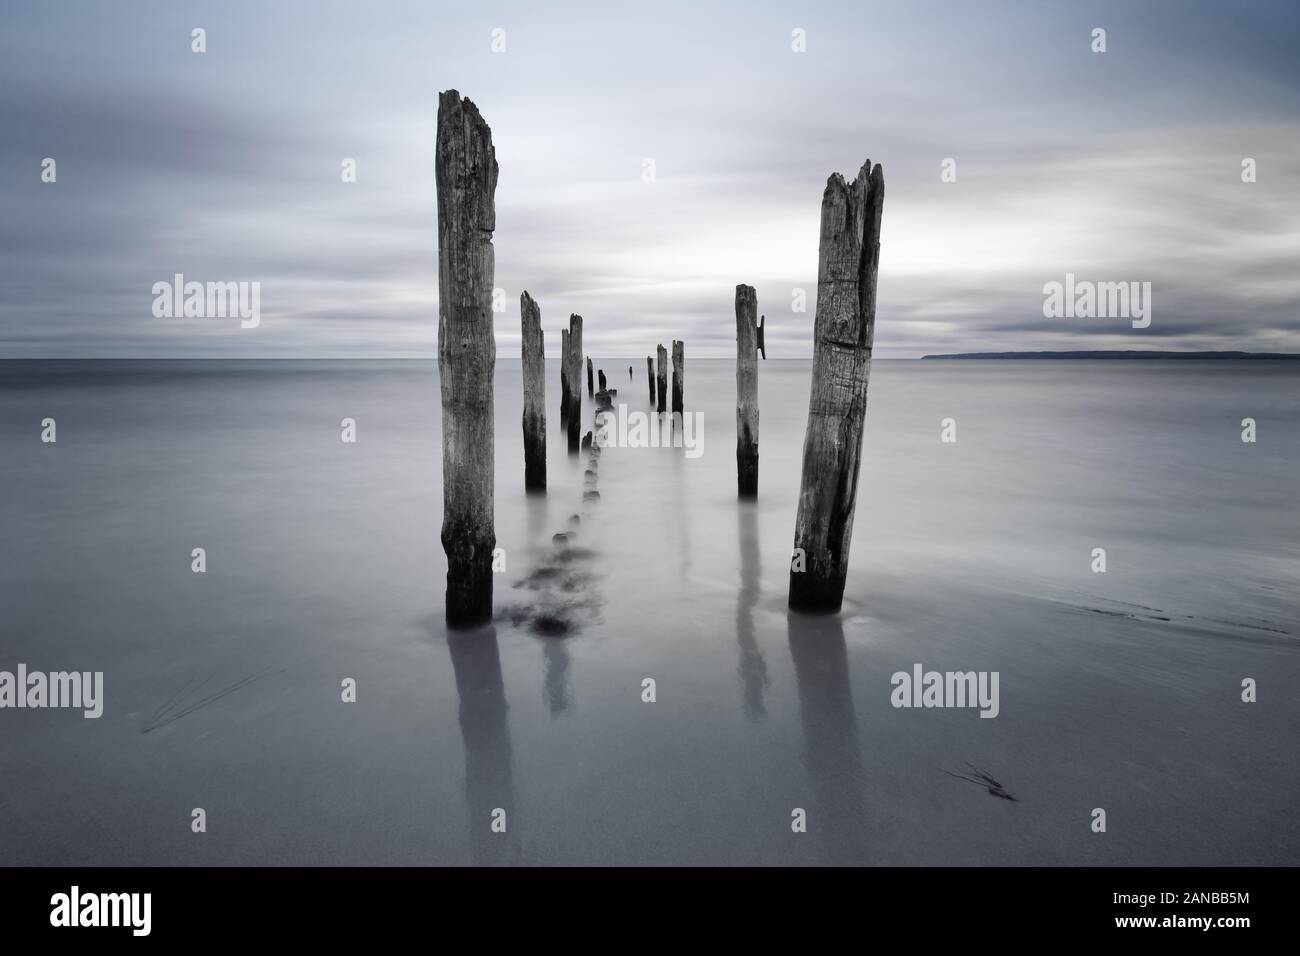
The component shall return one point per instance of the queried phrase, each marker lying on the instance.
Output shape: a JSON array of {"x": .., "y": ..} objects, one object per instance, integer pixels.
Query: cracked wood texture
[
  {"x": 746, "y": 392},
  {"x": 848, "y": 256},
  {"x": 574, "y": 416},
  {"x": 661, "y": 378},
  {"x": 679, "y": 376},
  {"x": 466, "y": 173},
  {"x": 534, "y": 363},
  {"x": 564, "y": 377}
]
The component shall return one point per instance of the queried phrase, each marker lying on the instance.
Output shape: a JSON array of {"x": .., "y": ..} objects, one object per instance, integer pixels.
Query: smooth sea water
[{"x": 1119, "y": 690}]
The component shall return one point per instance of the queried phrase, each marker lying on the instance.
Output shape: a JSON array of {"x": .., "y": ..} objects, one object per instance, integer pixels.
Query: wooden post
[
  {"x": 629, "y": 373},
  {"x": 534, "y": 366},
  {"x": 601, "y": 375},
  {"x": 661, "y": 378},
  {"x": 575, "y": 380},
  {"x": 843, "y": 330},
  {"x": 679, "y": 375},
  {"x": 465, "y": 169},
  {"x": 650, "y": 377},
  {"x": 746, "y": 392},
  {"x": 564, "y": 377},
  {"x": 590, "y": 390}
]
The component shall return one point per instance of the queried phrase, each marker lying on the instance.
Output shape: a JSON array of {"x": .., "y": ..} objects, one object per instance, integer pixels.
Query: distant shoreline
[
  {"x": 1122, "y": 354},
  {"x": 618, "y": 360}
]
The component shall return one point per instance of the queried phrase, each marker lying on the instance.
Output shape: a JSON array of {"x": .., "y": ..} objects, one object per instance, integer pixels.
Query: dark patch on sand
[
  {"x": 563, "y": 582},
  {"x": 985, "y": 780}
]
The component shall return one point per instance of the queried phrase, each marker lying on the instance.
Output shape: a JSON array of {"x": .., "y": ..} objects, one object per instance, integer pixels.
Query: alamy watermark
[
  {"x": 922, "y": 688},
  {"x": 75, "y": 908},
  {"x": 179, "y": 299},
  {"x": 36, "y": 689},
  {"x": 619, "y": 428},
  {"x": 1085, "y": 299}
]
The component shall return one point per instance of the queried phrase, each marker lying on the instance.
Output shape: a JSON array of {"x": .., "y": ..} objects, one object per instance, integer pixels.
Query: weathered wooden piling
[
  {"x": 600, "y": 374},
  {"x": 590, "y": 389},
  {"x": 629, "y": 373},
  {"x": 843, "y": 330},
  {"x": 575, "y": 378},
  {"x": 650, "y": 377},
  {"x": 679, "y": 376},
  {"x": 564, "y": 377},
  {"x": 746, "y": 392},
  {"x": 534, "y": 366},
  {"x": 661, "y": 378},
  {"x": 465, "y": 169}
]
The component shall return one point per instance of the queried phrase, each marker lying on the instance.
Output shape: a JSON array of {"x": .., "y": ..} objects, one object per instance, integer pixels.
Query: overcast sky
[{"x": 1124, "y": 165}]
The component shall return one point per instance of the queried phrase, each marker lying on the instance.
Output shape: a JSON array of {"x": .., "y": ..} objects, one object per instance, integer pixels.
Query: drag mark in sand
[
  {"x": 175, "y": 707},
  {"x": 1141, "y": 612}
]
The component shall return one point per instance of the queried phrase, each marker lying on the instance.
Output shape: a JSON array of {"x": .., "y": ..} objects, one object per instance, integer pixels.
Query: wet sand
[{"x": 1119, "y": 691}]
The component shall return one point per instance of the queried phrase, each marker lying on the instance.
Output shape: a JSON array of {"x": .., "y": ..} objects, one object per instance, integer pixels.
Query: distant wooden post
[
  {"x": 679, "y": 375},
  {"x": 465, "y": 169},
  {"x": 534, "y": 363},
  {"x": 601, "y": 375},
  {"x": 661, "y": 377},
  {"x": 650, "y": 377},
  {"x": 629, "y": 373},
  {"x": 843, "y": 330},
  {"x": 575, "y": 380},
  {"x": 590, "y": 391},
  {"x": 564, "y": 377},
  {"x": 746, "y": 392}
]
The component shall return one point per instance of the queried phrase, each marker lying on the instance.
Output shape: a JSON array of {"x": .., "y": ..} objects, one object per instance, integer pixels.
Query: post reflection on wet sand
[
  {"x": 831, "y": 753},
  {"x": 556, "y": 686},
  {"x": 669, "y": 438},
  {"x": 484, "y": 728},
  {"x": 751, "y": 668}
]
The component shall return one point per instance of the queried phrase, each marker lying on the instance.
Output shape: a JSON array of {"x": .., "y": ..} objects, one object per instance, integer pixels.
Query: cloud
[{"x": 225, "y": 166}]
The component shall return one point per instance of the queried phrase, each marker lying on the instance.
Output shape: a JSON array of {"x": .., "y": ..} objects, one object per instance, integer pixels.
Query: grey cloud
[{"x": 226, "y": 167}]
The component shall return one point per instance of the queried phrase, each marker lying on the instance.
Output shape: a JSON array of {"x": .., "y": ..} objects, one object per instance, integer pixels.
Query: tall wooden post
[
  {"x": 848, "y": 257},
  {"x": 679, "y": 375},
  {"x": 575, "y": 383},
  {"x": 746, "y": 392},
  {"x": 534, "y": 368},
  {"x": 590, "y": 390},
  {"x": 661, "y": 378},
  {"x": 604, "y": 386},
  {"x": 465, "y": 170},
  {"x": 564, "y": 377},
  {"x": 650, "y": 377}
]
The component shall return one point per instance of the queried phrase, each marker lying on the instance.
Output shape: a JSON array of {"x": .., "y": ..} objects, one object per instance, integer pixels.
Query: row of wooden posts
[
  {"x": 533, "y": 346},
  {"x": 844, "y": 326}
]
